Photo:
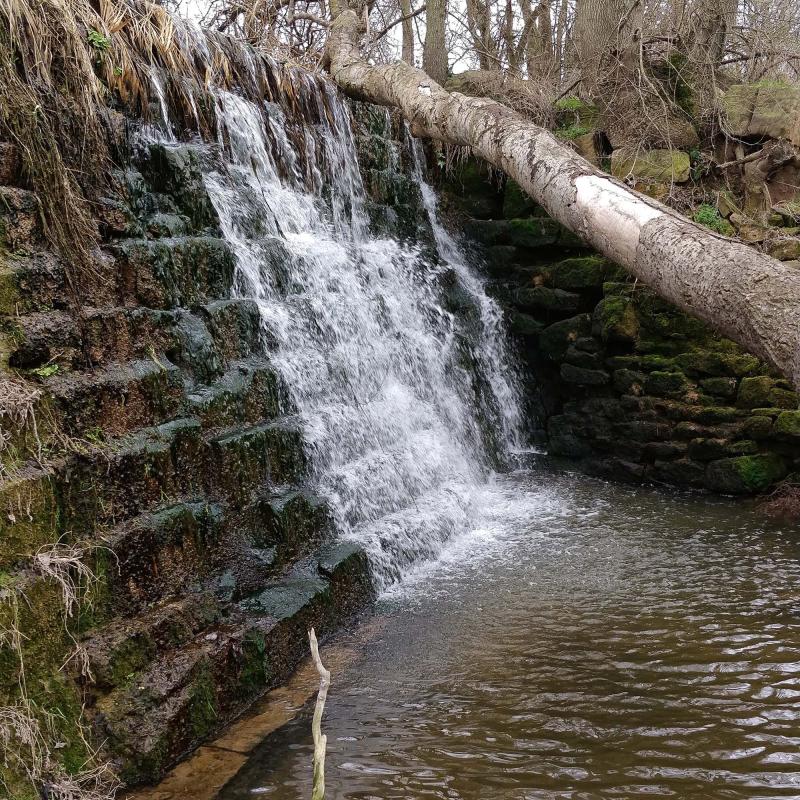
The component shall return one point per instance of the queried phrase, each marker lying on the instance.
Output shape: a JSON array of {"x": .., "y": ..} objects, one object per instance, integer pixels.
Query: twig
[
  {"x": 320, "y": 740},
  {"x": 381, "y": 33}
]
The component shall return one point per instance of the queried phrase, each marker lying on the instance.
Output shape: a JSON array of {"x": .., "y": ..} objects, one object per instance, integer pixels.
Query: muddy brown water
[{"x": 589, "y": 641}]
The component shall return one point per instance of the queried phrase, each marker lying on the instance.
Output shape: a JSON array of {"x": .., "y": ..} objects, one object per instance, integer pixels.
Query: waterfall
[{"x": 393, "y": 394}]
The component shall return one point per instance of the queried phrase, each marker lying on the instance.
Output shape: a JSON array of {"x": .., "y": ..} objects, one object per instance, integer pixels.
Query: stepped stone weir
[{"x": 282, "y": 391}]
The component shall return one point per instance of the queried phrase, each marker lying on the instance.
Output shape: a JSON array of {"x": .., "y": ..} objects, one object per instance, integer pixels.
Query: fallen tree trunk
[{"x": 741, "y": 293}]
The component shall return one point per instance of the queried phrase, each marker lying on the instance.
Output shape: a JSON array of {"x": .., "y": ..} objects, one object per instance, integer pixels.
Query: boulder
[
  {"x": 517, "y": 203},
  {"x": 784, "y": 248},
  {"x": 584, "y": 377},
  {"x": 787, "y": 425},
  {"x": 546, "y": 299},
  {"x": 766, "y": 109},
  {"x": 651, "y": 165},
  {"x": 754, "y": 392},
  {"x": 580, "y": 272}
]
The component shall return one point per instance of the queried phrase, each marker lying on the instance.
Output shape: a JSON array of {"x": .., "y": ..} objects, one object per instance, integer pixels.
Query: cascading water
[{"x": 393, "y": 394}]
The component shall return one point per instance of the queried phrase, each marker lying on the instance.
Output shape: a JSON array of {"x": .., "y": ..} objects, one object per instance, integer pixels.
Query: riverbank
[{"x": 620, "y": 642}]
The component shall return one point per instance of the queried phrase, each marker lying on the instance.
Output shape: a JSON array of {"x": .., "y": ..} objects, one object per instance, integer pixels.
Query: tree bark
[
  {"x": 434, "y": 50},
  {"x": 741, "y": 293},
  {"x": 604, "y": 35},
  {"x": 407, "y": 52}
]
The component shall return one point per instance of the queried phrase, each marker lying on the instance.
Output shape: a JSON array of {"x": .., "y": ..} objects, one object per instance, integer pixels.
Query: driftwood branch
[{"x": 320, "y": 739}]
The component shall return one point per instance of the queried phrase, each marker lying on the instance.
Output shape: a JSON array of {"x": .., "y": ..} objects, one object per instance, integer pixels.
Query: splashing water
[{"x": 405, "y": 408}]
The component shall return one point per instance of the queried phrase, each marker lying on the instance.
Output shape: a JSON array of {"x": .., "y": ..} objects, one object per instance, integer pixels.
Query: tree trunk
[
  {"x": 743, "y": 294},
  {"x": 434, "y": 50},
  {"x": 604, "y": 35},
  {"x": 710, "y": 21},
  {"x": 407, "y": 52}
]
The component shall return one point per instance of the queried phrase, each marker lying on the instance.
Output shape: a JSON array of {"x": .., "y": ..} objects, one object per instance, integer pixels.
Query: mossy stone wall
[{"x": 618, "y": 380}]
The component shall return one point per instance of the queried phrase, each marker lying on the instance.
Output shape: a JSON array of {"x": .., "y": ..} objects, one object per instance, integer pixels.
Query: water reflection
[{"x": 607, "y": 642}]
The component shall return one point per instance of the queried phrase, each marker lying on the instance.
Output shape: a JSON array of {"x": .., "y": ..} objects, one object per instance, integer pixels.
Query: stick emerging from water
[{"x": 320, "y": 740}]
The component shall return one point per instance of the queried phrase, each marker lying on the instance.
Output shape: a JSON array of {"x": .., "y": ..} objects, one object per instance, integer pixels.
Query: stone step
[
  {"x": 175, "y": 549},
  {"x": 29, "y": 515},
  {"x": 173, "y": 272},
  {"x": 20, "y": 215},
  {"x": 162, "y": 706},
  {"x": 33, "y": 282},
  {"x": 245, "y": 459},
  {"x": 117, "y": 399},
  {"x": 247, "y": 392},
  {"x": 126, "y": 477}
]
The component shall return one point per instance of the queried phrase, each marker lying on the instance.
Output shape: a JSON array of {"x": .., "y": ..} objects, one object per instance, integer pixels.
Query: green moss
[
  {"x": 572, "y": 132},
  {"x": 788, "y": 424},
  {"x": 708, "y": 215},
  {"x": 9, "y": 290},
  {"x": 718, "y": 364},
  {"x": 203, "y": 706},
  {"x": 255, "y": 671},
  {"x": 583, "y": 272},
  {"x": 666, "y": 384},
  {"x": 745, "y": 474},
  {"x": 534, "y": 233},
  {"x": 615, "y": 320},
  {"x": 517, "y": 204},
  {"x": 28, "y": 517},
  {"x": 754, "y": 392},
  {"x": 570, "y": 103}
]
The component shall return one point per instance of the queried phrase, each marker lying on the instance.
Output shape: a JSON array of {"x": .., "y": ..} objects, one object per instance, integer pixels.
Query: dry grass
[
  {"x": 28, "y": 733},
  {"x": 17, "y": 413},
  {"x": 784, "y": 503},
  {"x": 64, "y": 63}
]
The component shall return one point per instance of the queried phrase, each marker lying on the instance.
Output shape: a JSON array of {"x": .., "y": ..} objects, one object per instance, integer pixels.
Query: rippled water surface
[{"x": 584, "y": 641}]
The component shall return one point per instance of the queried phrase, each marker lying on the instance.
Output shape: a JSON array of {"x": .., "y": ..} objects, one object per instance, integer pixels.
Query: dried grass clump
[
  {"x": 17, "y": 411},
  {"x": 784, "y": 503},
  {"x": 29, "y": 738},
  {"x": 65, "y": 565},
  {"x": 25, "y": 746},
  {"x": 63, "y": 63}
]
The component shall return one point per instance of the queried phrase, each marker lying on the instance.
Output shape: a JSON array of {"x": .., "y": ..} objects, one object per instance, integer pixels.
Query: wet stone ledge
[{"x": 152, "y": 438}]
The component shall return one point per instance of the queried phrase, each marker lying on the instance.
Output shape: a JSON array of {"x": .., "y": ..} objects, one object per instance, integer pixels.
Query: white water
[{"x": 388, "y": 387}]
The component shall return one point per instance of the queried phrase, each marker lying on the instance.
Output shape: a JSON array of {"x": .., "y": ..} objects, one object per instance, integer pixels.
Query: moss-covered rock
[
  {"x": 518, "y": 204},
  {"x": 615, "y": 320},
  {"x": 581, "y": 272},
  {"x": 787, "y": 425},
  {"x": 719, "y": 387},
  {"x": 745, "y": 474},
  {"x": 581, "y": 376},
  {"x": 525, "y": 325},
  {"x": 543, "y": 298},
  {"x": 653, "y": 165},
  {"x": 754, "y": 392},
  {"x": 666, "y": 384},
  {"x": 534, "y": 233}
]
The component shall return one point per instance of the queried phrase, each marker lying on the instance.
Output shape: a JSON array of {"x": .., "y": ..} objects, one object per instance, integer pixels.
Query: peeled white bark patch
[{"x": 613, "y": 213}]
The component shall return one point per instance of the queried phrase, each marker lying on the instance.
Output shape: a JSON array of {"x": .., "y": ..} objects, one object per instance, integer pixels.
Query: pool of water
[{"x": 586, "y": 640}]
